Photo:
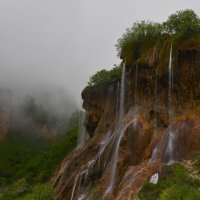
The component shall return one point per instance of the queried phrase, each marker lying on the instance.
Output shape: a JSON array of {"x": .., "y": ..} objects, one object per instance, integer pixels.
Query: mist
[{"x": 49, "y": 45}]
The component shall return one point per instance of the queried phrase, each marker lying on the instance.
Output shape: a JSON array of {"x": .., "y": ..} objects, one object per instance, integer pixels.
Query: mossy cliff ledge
[{"x": 159, "y": 125}]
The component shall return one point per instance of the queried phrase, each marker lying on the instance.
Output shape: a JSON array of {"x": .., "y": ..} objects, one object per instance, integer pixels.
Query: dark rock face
[{"x": 147, "y": 93}]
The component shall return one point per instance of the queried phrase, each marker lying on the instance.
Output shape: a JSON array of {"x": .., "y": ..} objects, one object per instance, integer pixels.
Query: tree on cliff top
[
  {"x": 140, "y": 34},
  {"x": 105, "y": 77},
  {"x": 183, "y": 24},
  {"x": 143, "y": 35}
]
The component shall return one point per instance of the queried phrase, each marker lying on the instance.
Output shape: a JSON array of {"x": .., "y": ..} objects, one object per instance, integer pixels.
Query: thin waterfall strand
[
  {"x": 171, "y": 136},
  {"x": 122, "y": 92},
  {"x": 120, "y": 130},
  {"x": 82, "y": 133},
  {"x": 135, "y": 86}
]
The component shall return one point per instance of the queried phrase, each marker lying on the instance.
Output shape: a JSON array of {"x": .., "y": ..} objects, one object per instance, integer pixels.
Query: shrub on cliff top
[
  {"x": 183, "y": 24},
  {"x": 106, "y": 77},
  {"x": 143, "y": 35}
]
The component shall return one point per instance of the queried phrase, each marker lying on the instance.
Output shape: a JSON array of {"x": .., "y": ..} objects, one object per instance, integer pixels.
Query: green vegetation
[
  {"x": 183, "y": 24},
  {"x": 143, "y": 36},
  {"x": 105, "y": 77},
  {"x": 176, "y": 185},
  {"x": 19, "y": 191},
  {"x": 15, "y": 153},
  {"x": 27, "y": 164},
  {"x": 40, "y": 168},
  {"x": 140, "y": 37}
]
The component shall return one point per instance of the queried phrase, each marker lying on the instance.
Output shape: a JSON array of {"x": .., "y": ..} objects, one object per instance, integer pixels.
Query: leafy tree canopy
[
  {"x": 139, "y": 33},
  {"x": 106, "y": 77},
  {"x": 142, "y": 35},
  {"x": 184, "y": 23}
]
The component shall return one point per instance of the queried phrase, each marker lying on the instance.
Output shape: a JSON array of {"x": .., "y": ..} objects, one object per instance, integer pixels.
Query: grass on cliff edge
[{"x": 177, "y": 185}]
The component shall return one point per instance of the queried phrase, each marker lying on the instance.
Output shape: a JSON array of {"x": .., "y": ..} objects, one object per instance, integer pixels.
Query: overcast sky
[{"x": 61, "y": 43}]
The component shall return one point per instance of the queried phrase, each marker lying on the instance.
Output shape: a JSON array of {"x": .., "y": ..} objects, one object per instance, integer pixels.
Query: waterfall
[
  {"x": 82, "y": 133},
  {"x": 122, "y": 92},
  {"x": 74, "y": 187},
  {"x": 154, "y": 155},
  {"x": 109, "y": 147},
  {"x": 170, "y": 154},
  {"x": 170, "y": 83},
  {"x": 155, "y": 103},
  {"x": 119, "y": 131},
  {"x": 118, "y": 135},
  {"x": 135, "y": 86},
  {"x": 117, "y": 104}
]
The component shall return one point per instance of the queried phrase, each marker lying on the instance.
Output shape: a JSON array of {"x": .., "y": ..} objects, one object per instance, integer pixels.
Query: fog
[{"x": 48, "y": 45}]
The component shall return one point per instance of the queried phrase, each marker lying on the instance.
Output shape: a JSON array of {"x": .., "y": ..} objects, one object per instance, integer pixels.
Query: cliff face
[{"x": 158, "y": 127}]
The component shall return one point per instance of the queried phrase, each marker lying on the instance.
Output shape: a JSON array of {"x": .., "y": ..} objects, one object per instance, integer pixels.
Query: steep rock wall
[{"x": 143, "y": 145}]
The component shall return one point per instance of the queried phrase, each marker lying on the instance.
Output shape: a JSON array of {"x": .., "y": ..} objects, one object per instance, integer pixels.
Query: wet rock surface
[{"x": 144, "y": 144}]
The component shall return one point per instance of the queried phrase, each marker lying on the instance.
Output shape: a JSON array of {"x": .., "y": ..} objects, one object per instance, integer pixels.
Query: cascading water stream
[
  {"x": 110, "y": 144},
  {"x": 120, "y": 130},
  {"x": 82, "y": 133},
  {"x": 118, "y": 133},
  {"x": 117, "y": 103},
  {"x": 122, "y": 92},
  {"x": 154, "y": 155},
  {"x": 135, "y": 86},
  {"x": 170, "y": 87},
  {"x": 170, "y": 154}
]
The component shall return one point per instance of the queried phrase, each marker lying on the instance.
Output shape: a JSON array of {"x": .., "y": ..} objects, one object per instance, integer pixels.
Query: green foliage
[
  {"x": 138, "y": 38},
  {"x": 41, "y": 167},
  {"x": 179, "y": 193},
  {"x": 25, "y": 164},
  {"x": 14, "y": 190},
  {"x": 105, "y": 77},
  {"x": 144, "y": 35},
  {"x": 15, "y": 153},
  {"x": 39, "y": 192},
  {"x": 172, "y": 186},
  {"x": 19, "y": 191},
  {"x": 183, "y": 24}
]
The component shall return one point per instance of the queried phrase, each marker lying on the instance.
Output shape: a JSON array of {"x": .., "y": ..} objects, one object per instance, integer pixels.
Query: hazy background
[{"x": 59, "y": 44}]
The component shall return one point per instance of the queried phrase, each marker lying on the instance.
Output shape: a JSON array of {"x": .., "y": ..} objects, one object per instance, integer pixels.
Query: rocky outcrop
[{"x": 144, "y": 142}]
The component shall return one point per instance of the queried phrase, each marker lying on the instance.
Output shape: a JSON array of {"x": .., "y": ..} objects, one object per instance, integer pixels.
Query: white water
[
  {"x": 118, "y": 135},
  {"x": 109, "y": 147},
  {"x": 171, "y": 135},
  {"x": 136, "y": 82},
  {"x": 170, "y": 89},
  {"x": 154, "y": 155},
  {"x": 118, "y": 131},
  {"x": 83, "y": 175},
  {"x": 156, "y": 103},
  {"x": 117, "y": 103},
  {"x": 74, "y": 187},
  {"x": 82, "y": 133},
  {"x": 122, "y": 92}
]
